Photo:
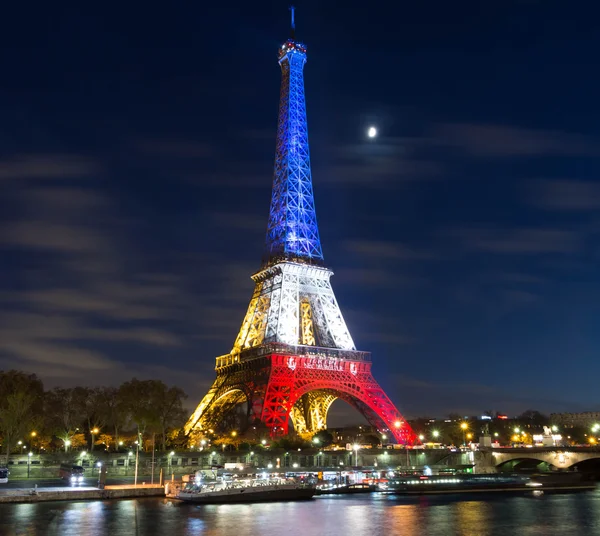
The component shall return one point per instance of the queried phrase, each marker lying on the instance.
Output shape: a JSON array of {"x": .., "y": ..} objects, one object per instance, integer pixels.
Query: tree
[
  {"x": 139, "y": 400},
  {"x": 533, "y": 418},
  {"x": 322, "y": 439},
  {"x": 64, "y": 410},
  {"x": 21, "y": 405},
  {"x": 372, "y": 440},
  {"x": 169, "y": 401},
  {"x": 113, "y": 411},
  {"x": 15, "y": 417}
]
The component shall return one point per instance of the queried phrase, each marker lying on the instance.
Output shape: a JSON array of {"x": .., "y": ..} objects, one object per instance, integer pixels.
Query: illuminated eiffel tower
[{"x": 294, "y": 355}]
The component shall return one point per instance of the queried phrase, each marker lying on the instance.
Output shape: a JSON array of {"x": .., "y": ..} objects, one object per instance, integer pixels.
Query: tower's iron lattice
[{"x": 294, "y": 355}]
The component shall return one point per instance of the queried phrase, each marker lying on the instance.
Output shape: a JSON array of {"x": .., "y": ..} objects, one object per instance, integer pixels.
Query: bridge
[{"x": 555, "y": 457}]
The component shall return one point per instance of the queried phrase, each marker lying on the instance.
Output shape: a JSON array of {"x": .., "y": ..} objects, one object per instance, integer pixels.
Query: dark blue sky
[{"x": 137, "y": 147}]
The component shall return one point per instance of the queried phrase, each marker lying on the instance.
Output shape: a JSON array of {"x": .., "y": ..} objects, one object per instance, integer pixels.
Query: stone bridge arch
[{"x": 560, "y": 458}]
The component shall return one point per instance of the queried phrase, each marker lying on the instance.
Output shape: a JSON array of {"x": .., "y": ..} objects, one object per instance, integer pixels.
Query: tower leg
[{"x": 276, "y": 405}]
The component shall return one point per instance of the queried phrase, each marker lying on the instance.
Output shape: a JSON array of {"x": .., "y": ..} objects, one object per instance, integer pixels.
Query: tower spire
[
  {"x": 292, "y": 232},
  {"x": 292, "y": 9}
]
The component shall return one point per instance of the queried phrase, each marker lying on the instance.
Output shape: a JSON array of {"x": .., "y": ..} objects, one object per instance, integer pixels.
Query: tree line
[{"x": 67, "y": 418}]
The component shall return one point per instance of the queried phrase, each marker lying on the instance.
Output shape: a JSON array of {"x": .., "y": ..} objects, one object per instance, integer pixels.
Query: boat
[
  {"x": 493, "y": 482},
  {"x": 246, "y": 491},
  {"x": 346, "y": 489}
]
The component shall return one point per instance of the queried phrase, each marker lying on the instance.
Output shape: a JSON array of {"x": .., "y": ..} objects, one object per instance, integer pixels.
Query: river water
[{"x": 376, "y": 514}]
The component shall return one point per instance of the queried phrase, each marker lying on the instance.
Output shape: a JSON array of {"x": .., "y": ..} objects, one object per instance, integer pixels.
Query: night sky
[{"x": 137, "y": 148}]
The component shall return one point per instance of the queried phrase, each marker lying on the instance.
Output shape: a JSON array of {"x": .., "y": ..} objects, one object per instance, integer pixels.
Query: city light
[{"x": 372, "y": 132}]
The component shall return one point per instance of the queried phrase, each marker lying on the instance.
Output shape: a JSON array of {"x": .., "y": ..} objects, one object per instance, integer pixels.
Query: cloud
[
  {"x": 384, "y": 163},
  {"x": 47, "y": 166},
  {"x": 488, "y": 140},
  {"x": 187, "y": 149},
  {"x": 526, "y": 241},
  {"x": 385, "y": 250},
  {"x": 379, "y": 278},
  {"x": 238, "y": 220},
  {"x": 84, "y": 300},
  {"x": 566, "y": 195},
  {"x": 50, "y": 236}
]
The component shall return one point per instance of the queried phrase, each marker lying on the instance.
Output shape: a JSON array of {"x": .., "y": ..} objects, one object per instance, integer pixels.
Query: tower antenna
[{"x": 292, "y": 9}]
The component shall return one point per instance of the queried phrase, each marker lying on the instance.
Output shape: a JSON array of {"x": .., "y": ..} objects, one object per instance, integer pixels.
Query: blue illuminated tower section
[{"x": 292, "y": 232}]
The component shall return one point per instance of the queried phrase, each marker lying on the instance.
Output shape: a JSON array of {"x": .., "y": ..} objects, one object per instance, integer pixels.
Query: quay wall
[{"x": 62, "y": 494}]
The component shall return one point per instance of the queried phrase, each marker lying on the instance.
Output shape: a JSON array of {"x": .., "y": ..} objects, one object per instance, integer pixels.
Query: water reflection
[{"x": 325, "y": 516}]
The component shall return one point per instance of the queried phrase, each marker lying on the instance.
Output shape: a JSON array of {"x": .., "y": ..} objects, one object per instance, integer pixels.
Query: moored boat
[
  {"x": 245, "y": 491},
  {"x": 472, "y": 483},
  {"x": 346, "y": 489}
]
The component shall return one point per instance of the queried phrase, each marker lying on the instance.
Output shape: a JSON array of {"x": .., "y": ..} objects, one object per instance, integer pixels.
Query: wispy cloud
[
  {"x": 386, "y": 250},
  {"x": 525, "y": 241},
  {"x": 565, "y": 194},
  {"x": 385, "y": 163},
  {"x": 47, "y": 166},
  {"x": 489, "y": 140}
]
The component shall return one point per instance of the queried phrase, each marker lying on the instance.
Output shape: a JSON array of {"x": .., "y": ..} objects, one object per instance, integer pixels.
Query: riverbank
[{"x": 35, "y": 495}]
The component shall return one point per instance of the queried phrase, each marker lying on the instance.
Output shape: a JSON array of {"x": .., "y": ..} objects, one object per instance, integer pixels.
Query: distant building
[{"x": 585, "y": 419}]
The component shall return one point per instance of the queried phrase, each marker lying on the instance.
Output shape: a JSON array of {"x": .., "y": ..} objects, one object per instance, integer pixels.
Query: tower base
[{"x": 299, "y": 383}]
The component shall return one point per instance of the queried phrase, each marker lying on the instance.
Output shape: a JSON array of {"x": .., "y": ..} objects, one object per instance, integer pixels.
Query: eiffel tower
[{"x": 294, "y": 356}]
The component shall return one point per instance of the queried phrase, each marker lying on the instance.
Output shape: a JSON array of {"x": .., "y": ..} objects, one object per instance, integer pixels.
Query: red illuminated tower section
[{"x": 294, "y": 356}]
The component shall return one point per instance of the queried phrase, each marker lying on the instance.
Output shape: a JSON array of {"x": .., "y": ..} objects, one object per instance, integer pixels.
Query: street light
[
  {"x": 463, "y": 427},
  {"x": 29, "y": 455},
  {"x": 435, "y": 434},
  {"x": 94, "y": 431},
  {"x": 355, "y": 447}
]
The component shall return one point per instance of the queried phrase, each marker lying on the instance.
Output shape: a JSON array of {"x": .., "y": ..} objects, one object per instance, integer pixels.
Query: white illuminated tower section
[{"x": 294, "y": 355}]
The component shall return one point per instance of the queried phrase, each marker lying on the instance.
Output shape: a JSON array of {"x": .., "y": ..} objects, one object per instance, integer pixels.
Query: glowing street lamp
[
  {"x": 94, "y": 431},
  {"x": 435, "y": 434},
  {"x": 29, "y": 455},
  {"x": 463, "y": 427},
  {"x": 355, "y": 447},
  {"x": 421, "y": 437}
]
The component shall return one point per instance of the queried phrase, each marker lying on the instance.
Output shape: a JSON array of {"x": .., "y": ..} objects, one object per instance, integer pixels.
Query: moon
[{"x": 372, "y": 132}]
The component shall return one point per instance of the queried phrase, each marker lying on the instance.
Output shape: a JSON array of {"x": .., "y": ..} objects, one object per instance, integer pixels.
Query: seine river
[{"x": 576, "y": 514}]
